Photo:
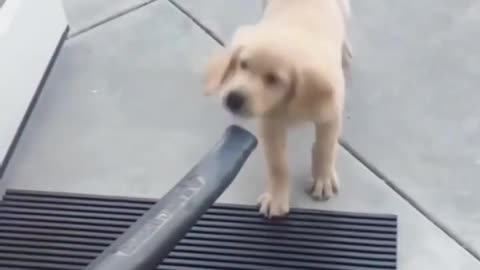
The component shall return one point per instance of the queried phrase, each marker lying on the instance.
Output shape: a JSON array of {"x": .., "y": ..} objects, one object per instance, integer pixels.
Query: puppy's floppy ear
[
  {"x": 223, "y": 63},
  {"x": 218, "y": 70}
]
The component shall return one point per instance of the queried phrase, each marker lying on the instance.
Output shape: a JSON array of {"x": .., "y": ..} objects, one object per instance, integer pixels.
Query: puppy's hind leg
[{"x": 324, "y": 154}]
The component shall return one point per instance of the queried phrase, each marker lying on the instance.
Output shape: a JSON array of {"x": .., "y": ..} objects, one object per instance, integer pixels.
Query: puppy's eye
[
  {"x": 243, "y": 64},
  {"x": 271, "y": 78}
]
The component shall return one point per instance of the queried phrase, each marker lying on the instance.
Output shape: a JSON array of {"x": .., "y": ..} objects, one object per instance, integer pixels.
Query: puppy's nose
[{"x": 235, "y": 101}]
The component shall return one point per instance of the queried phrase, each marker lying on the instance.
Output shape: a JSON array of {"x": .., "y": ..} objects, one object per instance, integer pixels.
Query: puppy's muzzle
[{"x": 235, "y": 101}]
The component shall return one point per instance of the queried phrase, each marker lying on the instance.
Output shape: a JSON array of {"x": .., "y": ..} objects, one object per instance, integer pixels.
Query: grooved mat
[{"x": 56, "y": 231}]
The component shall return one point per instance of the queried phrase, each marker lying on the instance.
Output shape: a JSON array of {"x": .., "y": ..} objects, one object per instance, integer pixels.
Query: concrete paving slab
[
  {"x": 223, "y": 17},
  {"x": 122, "y": 114},
  {"x": 421, "y": 244},
  {"x": 83, "y": 14},
  {"x": 220, "y": 16},
  {"x": 125, "y": 91},
  {"x": 413, "y": 108}
]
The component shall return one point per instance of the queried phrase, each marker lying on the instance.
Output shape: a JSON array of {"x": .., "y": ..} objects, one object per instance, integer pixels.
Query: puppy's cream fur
[{"x": 287, "y": 69}]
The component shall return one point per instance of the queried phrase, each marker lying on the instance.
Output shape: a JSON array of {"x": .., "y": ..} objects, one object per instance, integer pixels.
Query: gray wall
[{"x": 41, "y": 23}]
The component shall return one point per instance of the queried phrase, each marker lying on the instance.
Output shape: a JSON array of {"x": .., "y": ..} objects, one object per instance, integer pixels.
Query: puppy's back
[{"x": 323, "y": 19}]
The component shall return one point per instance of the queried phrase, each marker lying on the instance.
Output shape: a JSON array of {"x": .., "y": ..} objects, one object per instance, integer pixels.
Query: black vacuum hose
[{"x": 152, "y": 237}]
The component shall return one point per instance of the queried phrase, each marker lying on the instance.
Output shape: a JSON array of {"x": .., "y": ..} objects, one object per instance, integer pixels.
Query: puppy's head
[{"x": 252, "y": 78}]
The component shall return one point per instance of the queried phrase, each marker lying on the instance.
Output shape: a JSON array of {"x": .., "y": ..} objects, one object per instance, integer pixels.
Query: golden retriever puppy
[{"x": 284, "y": 70}]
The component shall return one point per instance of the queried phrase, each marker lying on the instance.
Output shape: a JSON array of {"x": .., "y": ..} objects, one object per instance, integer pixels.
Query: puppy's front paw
[
  {"x": 325, "y": 188},
  {"x": 271, "y": 206}
]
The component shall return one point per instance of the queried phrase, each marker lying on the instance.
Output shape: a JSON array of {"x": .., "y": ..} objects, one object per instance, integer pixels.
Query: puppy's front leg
[
  {"x": 276, "y": 200},
  {"x": 324, "y": 153}
]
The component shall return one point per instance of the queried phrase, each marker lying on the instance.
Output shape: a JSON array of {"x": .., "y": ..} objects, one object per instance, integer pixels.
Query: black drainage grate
[
  {"x": 54, "y": 231},
  {"x": 235, "y": 237}
]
